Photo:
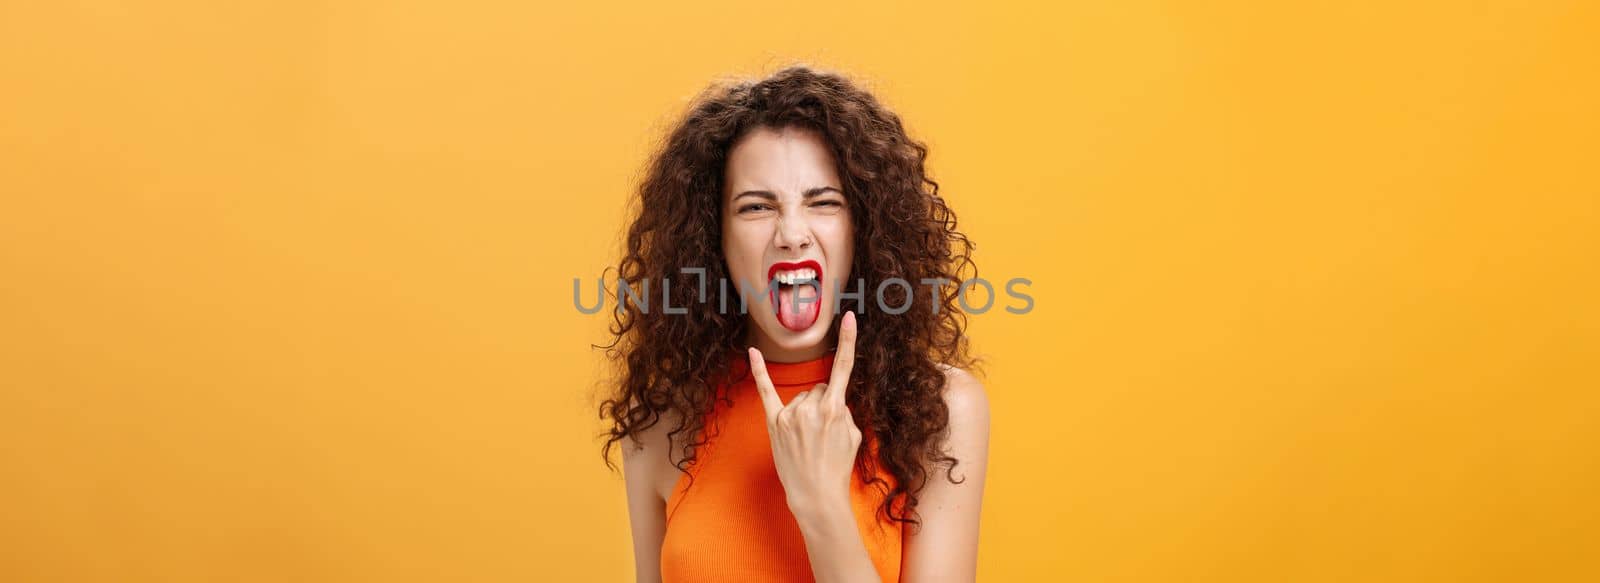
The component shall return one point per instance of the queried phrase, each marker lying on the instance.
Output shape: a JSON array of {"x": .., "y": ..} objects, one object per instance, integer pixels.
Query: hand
[{"x": 814, "y": 437}]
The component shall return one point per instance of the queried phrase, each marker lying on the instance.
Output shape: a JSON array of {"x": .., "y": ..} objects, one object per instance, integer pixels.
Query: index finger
[
  {"x": 769, "y": 395},
  {"x": 844, "y": 358}
]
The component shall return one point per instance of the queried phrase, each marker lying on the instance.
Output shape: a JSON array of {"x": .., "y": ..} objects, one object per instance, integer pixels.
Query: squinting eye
[
  {"x": 752, "y": 207},
  {"x": 829, "y": 203}
]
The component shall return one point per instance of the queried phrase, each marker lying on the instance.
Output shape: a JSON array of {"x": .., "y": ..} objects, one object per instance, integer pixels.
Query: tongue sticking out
[{"x": 798, "y": 306}]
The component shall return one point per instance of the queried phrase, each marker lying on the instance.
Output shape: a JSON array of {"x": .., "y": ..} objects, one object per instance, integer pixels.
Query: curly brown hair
[{"x": 903, "y": 229}]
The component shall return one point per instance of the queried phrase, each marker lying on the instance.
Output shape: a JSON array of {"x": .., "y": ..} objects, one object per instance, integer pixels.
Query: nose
[{"x": 792, "y": 233}]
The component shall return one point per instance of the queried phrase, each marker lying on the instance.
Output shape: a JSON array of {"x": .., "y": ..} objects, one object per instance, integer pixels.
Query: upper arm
[
  {"x": 641, "y": 466},
  {"x": 945, "y": 547}
]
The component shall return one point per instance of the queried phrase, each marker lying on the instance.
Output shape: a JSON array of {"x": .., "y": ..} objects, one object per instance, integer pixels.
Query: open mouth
[{"x": 796, "y": 293}]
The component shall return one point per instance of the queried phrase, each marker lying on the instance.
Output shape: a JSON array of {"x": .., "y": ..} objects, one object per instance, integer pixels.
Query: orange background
[{"x": 285, "y": 287}]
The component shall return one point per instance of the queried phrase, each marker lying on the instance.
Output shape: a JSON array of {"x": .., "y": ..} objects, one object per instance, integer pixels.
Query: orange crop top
[{"x": 733, "y": 524}]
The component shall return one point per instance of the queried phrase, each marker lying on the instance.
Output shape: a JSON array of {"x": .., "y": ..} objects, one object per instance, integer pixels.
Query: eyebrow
[{"x": 809, "y": 193}]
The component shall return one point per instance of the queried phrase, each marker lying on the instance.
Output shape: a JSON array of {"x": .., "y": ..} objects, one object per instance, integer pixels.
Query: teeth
[{"x": 794, "y": 276}]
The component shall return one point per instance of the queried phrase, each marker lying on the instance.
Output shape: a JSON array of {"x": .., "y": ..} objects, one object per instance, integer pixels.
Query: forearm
[{"x": 834, "y": 545}]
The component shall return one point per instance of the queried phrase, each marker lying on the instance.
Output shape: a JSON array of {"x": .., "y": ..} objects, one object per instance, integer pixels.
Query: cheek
[
  {"x": 741, "y": 245},
  {"x": 839, "y": 240}
]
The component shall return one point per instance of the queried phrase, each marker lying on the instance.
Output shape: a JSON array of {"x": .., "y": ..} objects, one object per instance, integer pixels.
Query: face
[{"x": 785, "y": 218}]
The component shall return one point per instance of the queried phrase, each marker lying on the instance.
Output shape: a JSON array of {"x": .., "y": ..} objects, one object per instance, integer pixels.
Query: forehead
[{"x": 786, "y": 161}]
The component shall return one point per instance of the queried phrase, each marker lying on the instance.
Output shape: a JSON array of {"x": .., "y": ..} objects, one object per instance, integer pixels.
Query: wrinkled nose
[{"x": 792, "y": 234}]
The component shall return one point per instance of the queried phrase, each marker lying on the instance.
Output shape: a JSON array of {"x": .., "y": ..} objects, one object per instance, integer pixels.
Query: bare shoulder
[
  {"x": 647, "y": 464},
  {"x": 966, "y": 397},
  {"x": 968, "y": 436},
  {"x": 945, "y": 546}
]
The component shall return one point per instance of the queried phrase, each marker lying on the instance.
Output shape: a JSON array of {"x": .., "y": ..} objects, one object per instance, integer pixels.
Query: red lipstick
[{"x": 786, "y": 266}]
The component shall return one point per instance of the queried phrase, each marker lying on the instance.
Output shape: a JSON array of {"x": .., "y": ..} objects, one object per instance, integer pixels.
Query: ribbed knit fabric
[{"x": 733, "y": 523}]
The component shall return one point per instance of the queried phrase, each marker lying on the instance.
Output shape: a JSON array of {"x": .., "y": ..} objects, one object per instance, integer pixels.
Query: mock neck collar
[{"x": 806, "y": 373}]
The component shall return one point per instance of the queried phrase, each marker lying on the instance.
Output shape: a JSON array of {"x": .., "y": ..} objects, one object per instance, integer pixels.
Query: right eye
[{"x": 754, "y": 207}]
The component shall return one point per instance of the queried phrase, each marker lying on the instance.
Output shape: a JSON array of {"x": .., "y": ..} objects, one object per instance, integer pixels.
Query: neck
[{"x": 772, "y": 352}]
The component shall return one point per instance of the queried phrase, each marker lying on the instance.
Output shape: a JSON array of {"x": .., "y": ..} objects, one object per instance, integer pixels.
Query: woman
[{"x": 774, "y": 439}]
